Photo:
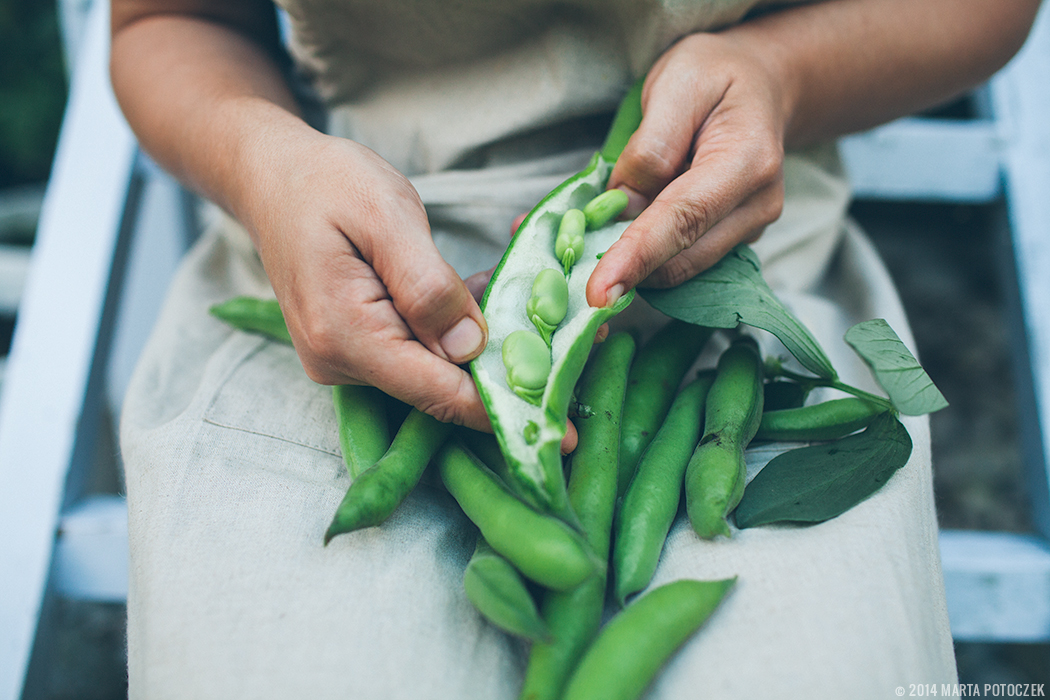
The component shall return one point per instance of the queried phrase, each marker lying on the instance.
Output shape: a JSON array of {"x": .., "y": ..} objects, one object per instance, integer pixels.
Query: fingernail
[
  {"x": 463, "y": 341},
  {"x": 613, "y": 295},
  {"x": 636, "y": 203}
]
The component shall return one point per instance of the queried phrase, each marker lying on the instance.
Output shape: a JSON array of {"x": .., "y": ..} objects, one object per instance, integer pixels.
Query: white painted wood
[
  {"x": 998, "y": 586},
  {"x": 44, "y": 386},
  {"x": 19, "y": 211},
  {"x": 925, "y": 159},
  {"x": 1021, "y": 101},
  {"x": 14, "y": 265},
  {"x": 91, "y": 555},
  {"x": 158, "y": 242}
]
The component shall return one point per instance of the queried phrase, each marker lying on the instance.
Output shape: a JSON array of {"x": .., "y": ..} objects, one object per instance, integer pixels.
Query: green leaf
[
  {"x": 734, "y": 292},
  {"x": 909, "y": 388},
  {"x": 817, "y": 483}
]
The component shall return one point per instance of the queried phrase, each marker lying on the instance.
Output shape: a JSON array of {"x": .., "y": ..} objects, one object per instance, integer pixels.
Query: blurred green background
[{"x": 32, "y": 89}]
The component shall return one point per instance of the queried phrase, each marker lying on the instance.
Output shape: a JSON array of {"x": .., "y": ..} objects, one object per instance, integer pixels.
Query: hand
[
  {"x": 368, "y": 299},
  {"x": 704, "y": 170}
]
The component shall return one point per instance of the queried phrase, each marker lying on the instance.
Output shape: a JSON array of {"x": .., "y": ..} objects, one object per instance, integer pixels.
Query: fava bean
[
  {"x": 821, "y": 421},
  {"x": 364, "y": 431},
  {"x": 541, "y": 547},
  {"x": 528, "y": 362},
  {"x": 637, "y": 642},
  {"x": 575, "y": 615},
  {"x": 651, "y": 501},
  {"x": 379, "y": 490},
  {"x": 568, "y": 244},
  {"x": 254, "y": 315},
  {"x": 656, "y": 374},
  {"x": 549, "y": 302},
  {"x": 498, "y": 592},
  {"x": 604, "y": 208},
  {"x": 715, "y": 477}
]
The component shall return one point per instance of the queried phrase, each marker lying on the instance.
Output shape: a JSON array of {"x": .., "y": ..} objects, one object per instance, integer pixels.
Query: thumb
[
  {"x": 660, "y": 148},
  {"x": 436, "y": 304}
]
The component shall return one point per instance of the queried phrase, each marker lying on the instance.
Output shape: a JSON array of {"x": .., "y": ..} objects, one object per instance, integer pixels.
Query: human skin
[{"x": 344, "y": 237}]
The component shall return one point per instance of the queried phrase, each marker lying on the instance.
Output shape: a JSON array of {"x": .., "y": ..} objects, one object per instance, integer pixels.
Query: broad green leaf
[
  {"x": 734, "y": 292},
  {"x": 909, "y": 388},
  {"x": 817, "y": 483}
]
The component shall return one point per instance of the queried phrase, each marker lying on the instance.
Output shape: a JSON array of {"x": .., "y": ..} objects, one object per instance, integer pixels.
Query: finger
[
  {"x": 744, "y": 224},
  {"x": 674, "y": 110},
  {"x": 516, "y": 224},
  {"x": 427, "y": 293},
  {"x": 416, "y": 376},
  {"x": 571, "y": 439},
  {"x": 478, "y": 282},
  {"x": 719, "y": 180}
]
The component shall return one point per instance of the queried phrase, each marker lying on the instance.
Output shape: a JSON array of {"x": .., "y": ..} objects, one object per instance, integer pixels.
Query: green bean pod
[
  {"x": 499, "y": 593},
  {"x": 574, "y": 616},
  {"x": 715, "y": 476},
  {"x": 541, "y": 547},
  {"x": 604, "y": 208},
  {"x": 254, "y": 315},
  {"x": 651, "y": 501},
  {"x": 364, "y": 430},
  {"x": 637, "y": 642},
  {"x": 656, "y": 374},
  {"x": 377, "y": 492},
  {"x": 530, "y": 435},
  {"x": 829, "y": 420}
]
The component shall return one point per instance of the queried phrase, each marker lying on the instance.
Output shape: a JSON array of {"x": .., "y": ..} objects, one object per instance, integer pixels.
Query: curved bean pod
[
  {"x": 822, "y": 421},
  {"x": 541, "y": 547},
  {"x": 498, "y": 592},
  {"x": 651, "y": 501},
  {"x": 714, "y": 479},
  {"x": 574, "y": 616},
  {"x": 636, "y": 643},
  {"x": 379, "y": 490},
  {"x": 656, "y": 374},
  {"x": 364, "y": 431},
  {"x": 255, "y": 315}
]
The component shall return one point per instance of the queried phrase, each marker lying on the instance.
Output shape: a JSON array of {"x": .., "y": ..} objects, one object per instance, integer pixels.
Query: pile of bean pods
[{"x": 644, "y": 444}]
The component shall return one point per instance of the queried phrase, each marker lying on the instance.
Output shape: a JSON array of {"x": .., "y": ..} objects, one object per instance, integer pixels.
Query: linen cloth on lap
[{"x": 232, "y": 457}]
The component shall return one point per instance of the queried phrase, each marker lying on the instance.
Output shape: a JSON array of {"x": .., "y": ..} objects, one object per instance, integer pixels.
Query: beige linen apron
[{"x": 232, "y": 458}]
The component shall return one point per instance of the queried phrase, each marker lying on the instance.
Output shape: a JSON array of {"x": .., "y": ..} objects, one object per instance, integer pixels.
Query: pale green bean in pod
[
  {"x": 568, "y": 246},
  {"x": 604, "y": 208},
  {"x": 549, "y": 302},
  {"x": 528, "y": 362}
]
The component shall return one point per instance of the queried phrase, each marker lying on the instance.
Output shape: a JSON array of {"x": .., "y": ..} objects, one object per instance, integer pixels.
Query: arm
[
  {"x": 719, "y": 108},
  {"x": 342, "y": 235}
]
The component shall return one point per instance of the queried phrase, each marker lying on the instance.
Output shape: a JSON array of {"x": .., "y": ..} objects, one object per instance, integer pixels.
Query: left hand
[{"x": 704, "y": 170}]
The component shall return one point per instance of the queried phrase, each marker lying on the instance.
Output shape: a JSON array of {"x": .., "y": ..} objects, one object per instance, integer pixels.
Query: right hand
[{"x": 345, "y": 241}]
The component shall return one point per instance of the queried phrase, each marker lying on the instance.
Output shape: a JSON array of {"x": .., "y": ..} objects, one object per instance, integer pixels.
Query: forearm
[
  {"x": 847, "y": 65},
  {"x": 203, "y": 95}
]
